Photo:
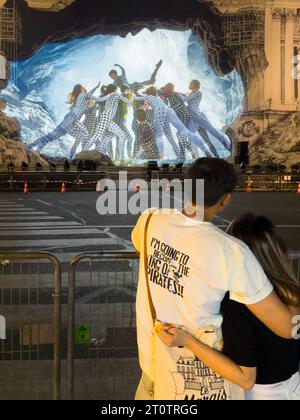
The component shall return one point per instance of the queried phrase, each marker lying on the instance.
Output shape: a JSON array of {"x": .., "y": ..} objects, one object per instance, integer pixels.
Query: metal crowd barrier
[
  {"x": 102, "y": 357},
  {"x": 102, "y": 349},
  {"x": 268, "y": 183},
  {"x": 30, "y": 302}
]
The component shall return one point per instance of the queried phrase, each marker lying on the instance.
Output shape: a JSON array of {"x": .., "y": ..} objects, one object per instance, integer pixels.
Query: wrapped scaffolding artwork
[{"x": 63, "y": 110}]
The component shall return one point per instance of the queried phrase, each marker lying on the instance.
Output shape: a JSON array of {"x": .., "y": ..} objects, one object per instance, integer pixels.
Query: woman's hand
[{"x": 174, "y": 337}]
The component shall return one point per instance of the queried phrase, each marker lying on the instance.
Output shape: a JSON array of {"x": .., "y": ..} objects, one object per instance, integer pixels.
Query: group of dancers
[{"x": 95, "y": 121}]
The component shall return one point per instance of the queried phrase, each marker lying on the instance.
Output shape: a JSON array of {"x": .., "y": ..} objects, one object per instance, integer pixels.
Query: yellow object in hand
[{"x": 159, "y": 328}]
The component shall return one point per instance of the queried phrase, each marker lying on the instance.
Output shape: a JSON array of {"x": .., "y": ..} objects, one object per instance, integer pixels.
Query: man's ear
[{"x": 225, "y": 201}]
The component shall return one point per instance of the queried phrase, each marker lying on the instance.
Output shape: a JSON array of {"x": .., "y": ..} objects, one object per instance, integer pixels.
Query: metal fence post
[{"x": 6, "y": 258}]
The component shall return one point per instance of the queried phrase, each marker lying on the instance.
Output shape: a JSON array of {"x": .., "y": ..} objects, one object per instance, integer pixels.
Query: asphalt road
[{"x": 43, "y": 213}]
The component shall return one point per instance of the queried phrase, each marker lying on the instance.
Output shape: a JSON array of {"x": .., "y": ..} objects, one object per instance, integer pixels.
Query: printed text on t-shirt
[{"x": 167, "y": 266}]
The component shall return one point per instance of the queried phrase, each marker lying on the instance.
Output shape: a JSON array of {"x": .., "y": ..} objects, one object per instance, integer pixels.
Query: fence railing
[
  {"x": 101, "y": 326},
  {"x": 30, "y": 302},
  {"x": 102, "y": 358}
]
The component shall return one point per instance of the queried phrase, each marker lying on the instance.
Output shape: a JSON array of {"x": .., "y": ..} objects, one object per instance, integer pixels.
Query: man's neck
[{"x": 192, "y": 213}]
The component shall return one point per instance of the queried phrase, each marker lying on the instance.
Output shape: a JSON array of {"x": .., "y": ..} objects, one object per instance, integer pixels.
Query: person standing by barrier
[{"x": 187, "y": 265}]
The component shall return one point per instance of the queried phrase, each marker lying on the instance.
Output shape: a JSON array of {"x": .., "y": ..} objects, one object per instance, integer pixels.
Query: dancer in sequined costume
[
  {"x": 145, "y": 146},
  {"x": 164, "y": 114},
  {"x": 80, "y": 101},
  {"x": 175, "y": 102},
  {"x": 199, "y": 121},
  {"x": 121, "y": 80},
  {"x": 106, "y": 121}
]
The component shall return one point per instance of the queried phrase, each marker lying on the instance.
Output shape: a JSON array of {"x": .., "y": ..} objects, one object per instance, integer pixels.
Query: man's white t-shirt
[{"x": 191, "y": 266}]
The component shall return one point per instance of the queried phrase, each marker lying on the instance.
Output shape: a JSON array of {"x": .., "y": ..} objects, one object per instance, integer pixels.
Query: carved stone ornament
[{"x": 249, "y": 129}]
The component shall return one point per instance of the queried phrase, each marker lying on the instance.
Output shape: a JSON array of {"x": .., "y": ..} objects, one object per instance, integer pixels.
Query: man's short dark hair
[
  {"x": 219, "y": 177},
  {"x": 140, "y": 115},
  {"x": 113, "y": 72}
]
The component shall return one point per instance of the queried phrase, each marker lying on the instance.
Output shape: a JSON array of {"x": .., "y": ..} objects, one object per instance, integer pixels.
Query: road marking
[
  {"x": 21, "y": 213},
  {"x": 38, "y": 225},
  {"x": 11, "y": 219},
  {"x": 49, "y": 232},
  {"x": 12, "y": 206},
  {"x": 58, "y": 243}
]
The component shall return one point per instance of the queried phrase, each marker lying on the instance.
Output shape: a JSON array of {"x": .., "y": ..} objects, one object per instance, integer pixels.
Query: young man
[{"x": 191, "y": 266}]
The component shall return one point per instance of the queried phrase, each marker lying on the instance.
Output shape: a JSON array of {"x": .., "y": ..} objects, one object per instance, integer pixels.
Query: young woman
[
  {"x": 254, "y": 358},
  {"x": 80, "y": 101}
]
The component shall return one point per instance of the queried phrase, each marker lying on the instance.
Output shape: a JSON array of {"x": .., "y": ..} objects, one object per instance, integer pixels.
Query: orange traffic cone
[
  {"x": 99, "y": 188},
  {"x": 298, "y": 189},
  {"x": 26, "y": 188},
  {"x": 249, "y": 187},
  {"x": 137, "y": 188},
  {"x": 63, "y": 188}
]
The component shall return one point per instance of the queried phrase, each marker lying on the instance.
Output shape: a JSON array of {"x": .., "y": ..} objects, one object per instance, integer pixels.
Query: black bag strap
[{"x": 153, "y": 311}]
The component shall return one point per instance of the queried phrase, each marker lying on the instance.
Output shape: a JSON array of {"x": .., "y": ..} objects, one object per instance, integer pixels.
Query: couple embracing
[{"x": 216, "y": 311}]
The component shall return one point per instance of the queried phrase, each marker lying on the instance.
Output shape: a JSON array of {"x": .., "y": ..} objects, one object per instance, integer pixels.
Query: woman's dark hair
[
  {"x": 74, "y": 95},
  {"x": 219, "y": 178},
  {"x": 111, "y": 89},
  {"x": 140, "y": 115},
  {"x": 264, "y": 240}
]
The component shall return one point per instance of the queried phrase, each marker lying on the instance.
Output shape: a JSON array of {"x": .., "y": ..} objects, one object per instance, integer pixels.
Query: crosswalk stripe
[
  {"x": 47, "y": 232},
  {"x": 37, "y": 225},
  {"x": 11, "y": 219},
  {"x": 69, "y": 243},
  {"x": 22, "y": 212},
  {"x": 12, "y": 206}
]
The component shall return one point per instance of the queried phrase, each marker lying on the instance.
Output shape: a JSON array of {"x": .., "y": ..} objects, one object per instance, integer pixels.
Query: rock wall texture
[
  {"x": 12, "y": 150},
  {"x": 281, "y": 144}
]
